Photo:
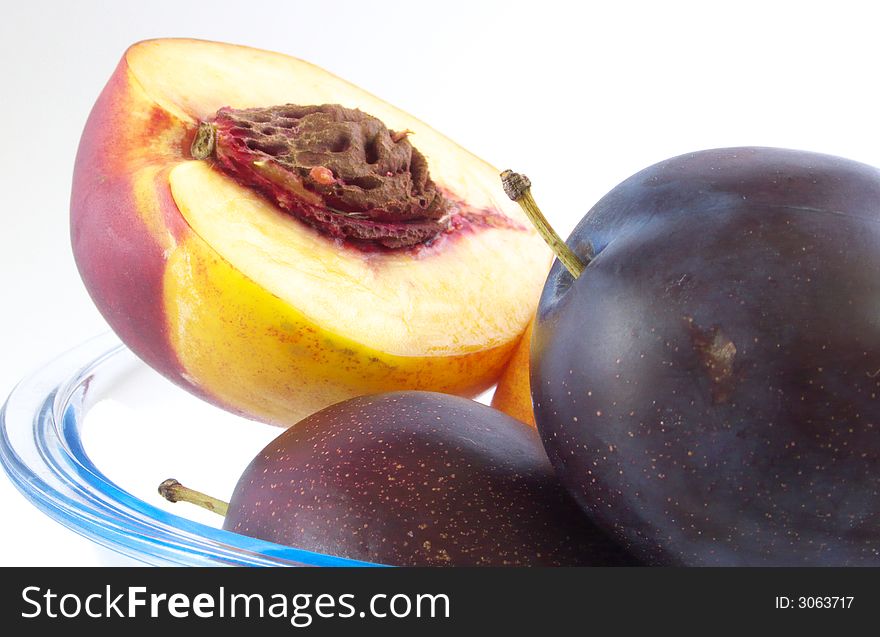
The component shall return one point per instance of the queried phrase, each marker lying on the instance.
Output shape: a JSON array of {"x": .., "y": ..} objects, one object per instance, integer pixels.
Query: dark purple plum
[
  {"x": 708, "y": 388},
  {"x": 416, "y": 479}
]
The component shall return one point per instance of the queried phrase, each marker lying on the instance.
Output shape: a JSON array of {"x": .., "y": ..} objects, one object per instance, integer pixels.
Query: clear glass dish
[{"x": 88, "y": 438}]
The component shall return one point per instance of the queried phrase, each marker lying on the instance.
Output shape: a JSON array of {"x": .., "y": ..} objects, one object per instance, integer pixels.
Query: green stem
[
  {"x": 518, "y": 187},
  {"x": 173, "y": 491}
]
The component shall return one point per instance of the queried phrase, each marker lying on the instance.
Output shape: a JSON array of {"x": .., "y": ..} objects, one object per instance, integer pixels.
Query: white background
[{"x": 577, "y": 95}]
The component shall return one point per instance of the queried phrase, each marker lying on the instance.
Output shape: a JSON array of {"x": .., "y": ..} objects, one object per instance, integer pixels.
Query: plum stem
[
  {"x": 173, "y": 491},
  {"x": 519, "y": 188}
]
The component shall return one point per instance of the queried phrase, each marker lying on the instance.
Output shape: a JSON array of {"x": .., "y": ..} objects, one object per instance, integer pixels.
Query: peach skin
[{"x": 513, "y": 395}]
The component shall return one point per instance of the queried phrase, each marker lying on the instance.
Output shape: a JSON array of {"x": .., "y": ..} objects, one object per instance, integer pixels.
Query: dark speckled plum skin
[
  {"x": 709, "y": 388},
  {"x": 416, "y": 479}
]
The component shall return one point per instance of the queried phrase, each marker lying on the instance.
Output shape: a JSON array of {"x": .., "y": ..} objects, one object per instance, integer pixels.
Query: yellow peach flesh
[{"x": 433, "y": 302}]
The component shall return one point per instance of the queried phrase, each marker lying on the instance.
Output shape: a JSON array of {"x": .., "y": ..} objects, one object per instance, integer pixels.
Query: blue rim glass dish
[{"x": 42, "y": 451}]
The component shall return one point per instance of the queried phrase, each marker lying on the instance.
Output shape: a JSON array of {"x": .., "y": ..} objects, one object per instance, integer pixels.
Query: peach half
[{"x": 211, "y": 281}]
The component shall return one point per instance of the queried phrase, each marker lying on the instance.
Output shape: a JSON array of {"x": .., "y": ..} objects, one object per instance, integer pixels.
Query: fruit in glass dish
[
  {"x": 513, "y": 395},
  {"x": 707, "y": 384},
  {"x": 412, "y": 479},
  {"x": 275, "y": 239}
]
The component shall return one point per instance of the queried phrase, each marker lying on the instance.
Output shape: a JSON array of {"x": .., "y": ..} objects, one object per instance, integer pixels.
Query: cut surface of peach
[
  {"x": 237, "y": 300},
  {"x": 434, "y": 301}
]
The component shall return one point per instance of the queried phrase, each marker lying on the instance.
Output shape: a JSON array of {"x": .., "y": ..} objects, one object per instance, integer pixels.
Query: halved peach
[{"x": 212, "y": 283}]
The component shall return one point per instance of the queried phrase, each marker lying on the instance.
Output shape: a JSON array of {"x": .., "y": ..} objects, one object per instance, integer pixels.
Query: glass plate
[{"x": 88, "y": 438}]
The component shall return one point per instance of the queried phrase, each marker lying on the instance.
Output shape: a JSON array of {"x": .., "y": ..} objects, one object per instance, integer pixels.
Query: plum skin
[
  {"x": 707, "y": 388},
  {"x": 415, "y": 478}
]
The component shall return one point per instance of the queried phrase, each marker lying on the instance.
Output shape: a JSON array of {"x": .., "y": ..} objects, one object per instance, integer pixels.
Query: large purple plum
[{"x": 709, "y": 387}]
